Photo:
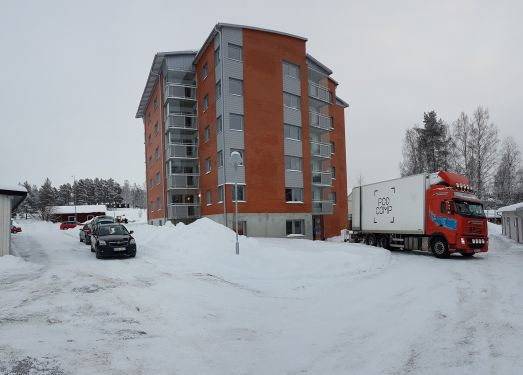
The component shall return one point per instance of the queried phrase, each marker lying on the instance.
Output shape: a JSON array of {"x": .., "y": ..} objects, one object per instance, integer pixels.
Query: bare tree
[
  {"x": 483, "y": 148},
  {"x": 412, "y": 157},
  {"x": 506, "y": 178},
  {"x": 462, "y": 129}
]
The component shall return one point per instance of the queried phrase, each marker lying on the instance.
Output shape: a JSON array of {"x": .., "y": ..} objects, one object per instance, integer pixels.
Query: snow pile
[
  {"x": 12, "y": 265},
  {"x": 494, "y": 228}
]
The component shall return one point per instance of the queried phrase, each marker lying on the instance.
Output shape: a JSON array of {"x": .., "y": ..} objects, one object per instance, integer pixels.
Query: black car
[
  {"x": 110, "y": 240},
  {"x": 103, "y": 219}
]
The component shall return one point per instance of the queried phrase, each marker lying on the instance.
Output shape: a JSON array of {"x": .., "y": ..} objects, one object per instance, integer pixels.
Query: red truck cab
[{"x": 455, "y": 214}]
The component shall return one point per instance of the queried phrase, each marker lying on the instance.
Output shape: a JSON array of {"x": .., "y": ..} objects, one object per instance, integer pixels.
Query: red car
[
  {"x": 15, "y": 227},
  {"x": 68, "y": 225}
]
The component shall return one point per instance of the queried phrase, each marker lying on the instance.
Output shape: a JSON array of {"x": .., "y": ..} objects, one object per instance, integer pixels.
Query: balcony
[
  {"x": 173, "y": 91},
  {"x": 321, "y": 207},
  {"x": 320, "y": 150},
  {"x": 183, "y": 181},
  {"x": 321, "y": 178},
  {"x": 181, "y": 121},
  {"x": 182, "y": 151},
  {"x": 320, "y": 121},
  {"x": 183, "y": 211},
  {"x": 319, "y": 92}
]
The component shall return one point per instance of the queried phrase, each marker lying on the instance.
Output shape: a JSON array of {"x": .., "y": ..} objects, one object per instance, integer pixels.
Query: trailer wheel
[
  {"x": 439, "y": 247},
  {"x": 371, "y": 240},
  {"x": 384, "y": 242}
]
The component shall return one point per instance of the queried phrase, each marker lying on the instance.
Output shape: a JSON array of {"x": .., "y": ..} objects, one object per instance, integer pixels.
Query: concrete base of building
[{"x": 267, "y": 224}]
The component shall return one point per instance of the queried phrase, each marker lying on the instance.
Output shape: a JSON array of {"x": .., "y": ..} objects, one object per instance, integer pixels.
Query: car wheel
[
  {"x": 98, "y": 256},
  {"x": 133, "y": 255},
  {"x": 440, "y": 248}
]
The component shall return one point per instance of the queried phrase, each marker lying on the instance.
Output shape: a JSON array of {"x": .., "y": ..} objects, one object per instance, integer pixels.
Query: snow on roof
[
  {"x": 512, "y": 207},
  {"x": 83, "y": 209},
  {"x": 13, "y": 188}
]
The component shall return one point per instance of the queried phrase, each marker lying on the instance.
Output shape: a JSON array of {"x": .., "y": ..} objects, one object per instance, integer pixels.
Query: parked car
[
  {"x": 83, "y": 231},
  {"x": 15, "y": 227},
  {"x": 68, "y": 225},
  {"x": 103, "y": 219},
  {"x": 110, "y": 240}
]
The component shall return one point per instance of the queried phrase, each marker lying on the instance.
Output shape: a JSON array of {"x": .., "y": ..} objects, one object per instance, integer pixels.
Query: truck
[{"x": 431, "y": 212}]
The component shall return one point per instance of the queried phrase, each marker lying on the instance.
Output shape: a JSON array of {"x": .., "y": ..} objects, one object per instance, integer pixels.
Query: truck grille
[{"x": 472, "y": 230}]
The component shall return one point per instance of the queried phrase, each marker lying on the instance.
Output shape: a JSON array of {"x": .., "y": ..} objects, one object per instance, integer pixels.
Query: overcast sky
[{"x": 72, "y": 73}]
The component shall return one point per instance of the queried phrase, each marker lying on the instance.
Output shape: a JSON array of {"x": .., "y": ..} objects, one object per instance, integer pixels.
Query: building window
[
  {"x": 293, "y": 163},
  {"x": 333, "y": 172},
  {"x": 291, "y": 70},
  {"x": 241, "y": 154},
  {"x": 155, "y": 104},
  {"x": 295, "y": 227},
  {"x": 235, "y": 121},
  {"x": 207, "y": 134},
  {"x": 156, "y": 128},
  {"x": 218, "y": 90},
  {"x": 235, "y": 52},
  {"x": 204, "y": 71},
  {"x": 157, "y": 154},
  {"x": 241, "y": 193},
  {"x": 219, "y": 125},
  {"x": 150, "y": 161},
  {"x": 158, "y": 203},
  {"x": 220, "y": 159},
  {"x": 157, "y": 178},
  {"x": 151, "y": 183},
  {"x": 333, "y": 147},
  {"x": 149, "y": 141},
  {"x": 235, "y": 86},
  {"x": 294, "y": 195},
  {"x": 292, "y": 132},
  {"x": 208, "y": 197},
  {"x": 151, "y": 206},
  {"x": 217, "y": 56},
  {"x": 208, "y": 165},
  {"x": 333, "y": 197},
  {"x": 220, "y": 193},
  {"x": 242, "y": 227},
  {"x": 291, "y": 101},
  {"x": 205, "y": 103}
]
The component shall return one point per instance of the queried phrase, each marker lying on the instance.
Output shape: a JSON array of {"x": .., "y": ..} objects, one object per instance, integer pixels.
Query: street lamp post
[
  {"x": 236, "y": 160},
  {"x": 74, "y": 191}
]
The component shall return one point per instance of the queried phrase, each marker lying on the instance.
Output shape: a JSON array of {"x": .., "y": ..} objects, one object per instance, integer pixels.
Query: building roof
[
  {"x": 80, "y": 209},
  {"x": 16, "y": 193},
  {"x": 154, "y": 73},
  {"x": 234, "y": 26},
  {"x": 327, "y": 70},
  {"x": 341, "y": 102},
  {"x": 512, "y": 207}
]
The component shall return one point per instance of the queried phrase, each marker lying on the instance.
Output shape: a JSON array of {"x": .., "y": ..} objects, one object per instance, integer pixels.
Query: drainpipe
[{"x": 223, "y": 126}]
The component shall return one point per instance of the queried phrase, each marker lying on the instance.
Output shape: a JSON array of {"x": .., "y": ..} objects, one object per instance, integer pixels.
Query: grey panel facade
[
  {"x": 293, "y": 179},
  {"x": 291, "y": 85},
  {"x": 293, "y": 147},
  {"x": 180, "y": 62},
  {"x": 291, "y": 116}
]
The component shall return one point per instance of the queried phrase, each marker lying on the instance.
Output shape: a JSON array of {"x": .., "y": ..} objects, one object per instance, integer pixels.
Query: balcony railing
[
  {"x": 320, "y": 150},
  {"x": 320, "y": 93},
  {"x": 180, "y": 92},
  {"x": 183, "y": 181},
  {"x": 175, "y": 121},
  {"x": 182, "y": 151},
  {"x": 183, "y": 211},
  {"x": 320, "y": 121},
  {"x": 321, "y": 207},
  {"x": 321, "y": 178}
]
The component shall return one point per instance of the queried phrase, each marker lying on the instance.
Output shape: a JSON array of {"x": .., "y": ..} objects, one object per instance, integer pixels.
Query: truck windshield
[{"x": 470, "y": 209}]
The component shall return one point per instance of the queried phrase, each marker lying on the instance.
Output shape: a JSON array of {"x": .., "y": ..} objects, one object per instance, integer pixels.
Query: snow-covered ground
[{"x": 188, "y": 305}]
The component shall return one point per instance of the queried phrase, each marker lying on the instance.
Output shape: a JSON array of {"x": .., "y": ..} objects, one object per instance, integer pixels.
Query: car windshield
[
  {"x": 113, "y": 229},
  {"x": 470, "y": 209}
]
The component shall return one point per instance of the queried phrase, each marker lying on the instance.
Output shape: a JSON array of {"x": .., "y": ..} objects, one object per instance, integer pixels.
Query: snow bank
[
  {"x": 494, "y": 228},
  {"x": 11, "y": 265}
]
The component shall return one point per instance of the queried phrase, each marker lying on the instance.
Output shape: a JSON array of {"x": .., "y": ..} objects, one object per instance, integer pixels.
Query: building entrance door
[{"x": 317, "y": 228}]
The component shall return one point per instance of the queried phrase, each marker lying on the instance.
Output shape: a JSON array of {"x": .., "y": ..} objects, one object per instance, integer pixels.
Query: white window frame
[
  {"x": 289, "y": 126},
  {"x": 205, "y": 70},
  {"x": 290, "y": 158},
  {"x": 292, "y": 96},
  {"x": 208, "y": 165},
  {"x": 293, "y": 190},
  {"x": 207, "y": 134},
  {"x": 290, "y": 65},
  {"x": 208, "y": 197},
  {"x": 206, "y": 102},
  {"x": 293, "y": 221}
]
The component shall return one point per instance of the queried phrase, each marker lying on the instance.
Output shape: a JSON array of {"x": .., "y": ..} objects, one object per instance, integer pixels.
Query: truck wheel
[
  {"x": 439, "y": 248},
  {"x": 384, "y": 242}
]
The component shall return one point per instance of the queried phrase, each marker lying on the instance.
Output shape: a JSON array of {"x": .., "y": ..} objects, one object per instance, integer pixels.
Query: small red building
[{"x": 83, "y": 213}]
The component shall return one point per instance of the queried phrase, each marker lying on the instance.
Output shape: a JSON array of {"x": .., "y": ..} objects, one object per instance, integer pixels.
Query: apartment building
[{"x": 257, "y": 92}]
